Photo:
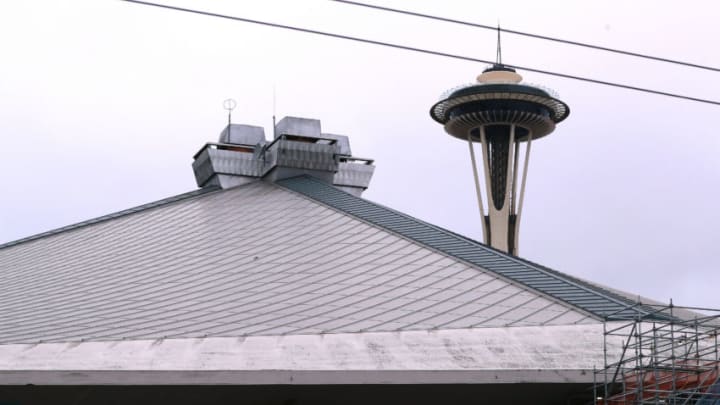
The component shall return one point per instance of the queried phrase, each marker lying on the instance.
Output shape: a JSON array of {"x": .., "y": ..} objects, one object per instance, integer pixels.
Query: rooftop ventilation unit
[{"x": 243, "y": 155}]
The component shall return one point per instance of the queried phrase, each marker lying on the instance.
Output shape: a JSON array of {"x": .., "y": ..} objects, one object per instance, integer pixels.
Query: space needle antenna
[{"x": 498, "y": 57}]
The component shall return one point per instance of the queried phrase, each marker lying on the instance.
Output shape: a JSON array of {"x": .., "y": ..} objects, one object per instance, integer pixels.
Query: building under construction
[{"x": 668, "y": 356}]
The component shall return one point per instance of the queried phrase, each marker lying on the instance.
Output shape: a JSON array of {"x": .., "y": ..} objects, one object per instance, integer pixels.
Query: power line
[
  {"x": 527, "y": 34},
  {"x": 421, "y": 50}
]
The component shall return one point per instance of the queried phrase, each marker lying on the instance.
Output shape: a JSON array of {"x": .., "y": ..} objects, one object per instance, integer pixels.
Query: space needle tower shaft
[{"x": 503, "y": 116}]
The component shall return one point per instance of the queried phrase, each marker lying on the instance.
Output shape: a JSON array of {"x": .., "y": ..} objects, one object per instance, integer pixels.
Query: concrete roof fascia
[
  {"x": 491, "y": 355},
  {"x": 292, "y": 377}
]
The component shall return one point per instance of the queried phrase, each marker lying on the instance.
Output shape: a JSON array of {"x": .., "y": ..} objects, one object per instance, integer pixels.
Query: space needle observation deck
[{"x": 504, "y": 115}]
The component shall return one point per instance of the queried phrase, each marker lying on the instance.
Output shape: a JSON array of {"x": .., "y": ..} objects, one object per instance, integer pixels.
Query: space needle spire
[
  {"x": 498, "y": 56},
  {"x": 504, "y": 116}
]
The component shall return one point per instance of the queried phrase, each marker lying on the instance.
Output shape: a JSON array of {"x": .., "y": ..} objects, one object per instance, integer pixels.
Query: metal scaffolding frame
[{"x": 669, "y": 356}]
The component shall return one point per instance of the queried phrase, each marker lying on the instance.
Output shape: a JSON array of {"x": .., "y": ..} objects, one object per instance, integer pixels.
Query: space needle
[{"x": 504, "y": 115}]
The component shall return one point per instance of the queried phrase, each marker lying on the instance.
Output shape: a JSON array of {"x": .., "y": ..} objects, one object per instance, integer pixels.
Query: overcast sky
[{"x": 104, "y": 103}]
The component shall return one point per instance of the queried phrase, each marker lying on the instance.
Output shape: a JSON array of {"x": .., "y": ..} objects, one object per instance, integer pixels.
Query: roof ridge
[
  {"x": 107, "y": 217},
  {"x": 581, "y": 295},
  {"x": 558, "y": 273}
]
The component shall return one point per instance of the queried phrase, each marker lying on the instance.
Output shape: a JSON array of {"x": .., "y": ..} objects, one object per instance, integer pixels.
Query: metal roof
[
  {"x": 114, "y": 215},
  {"x": 597, "y": 301},
  {"x": 261, "y": 259}
]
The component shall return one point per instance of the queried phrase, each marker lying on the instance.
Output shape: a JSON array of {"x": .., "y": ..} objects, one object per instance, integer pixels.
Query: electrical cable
[
  {"x": 421, "y": 50},
  {"x": 531, "y": 35}
]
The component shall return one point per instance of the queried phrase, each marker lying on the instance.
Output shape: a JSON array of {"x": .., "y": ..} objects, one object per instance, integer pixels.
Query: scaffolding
[{"x": 668, "y": 355}]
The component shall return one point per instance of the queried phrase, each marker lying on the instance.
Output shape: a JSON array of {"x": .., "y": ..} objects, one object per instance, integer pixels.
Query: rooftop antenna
[
  {"x": 274, "y": 102},
  {"x": 229, "y": 104}
]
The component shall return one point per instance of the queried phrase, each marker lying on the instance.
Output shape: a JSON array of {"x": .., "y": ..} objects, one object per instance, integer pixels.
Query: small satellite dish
[{"x": 229, "y": 104}]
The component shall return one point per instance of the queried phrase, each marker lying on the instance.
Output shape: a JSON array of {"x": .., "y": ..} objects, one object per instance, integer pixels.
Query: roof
[
  {"x": 598, "y": 301},
  {"x": 296, "y": 257},
  {"x": 108, "y": 217}
]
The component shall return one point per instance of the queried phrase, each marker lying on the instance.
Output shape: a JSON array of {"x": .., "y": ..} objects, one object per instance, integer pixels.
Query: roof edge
[
  {"x": 415, "y": 354},
  {"x": 294, "y": 377},
  {"x": 129, "y": 211}
]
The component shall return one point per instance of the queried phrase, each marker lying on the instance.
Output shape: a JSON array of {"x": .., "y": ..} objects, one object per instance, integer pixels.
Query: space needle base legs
[{"x": 501, "y": 151}]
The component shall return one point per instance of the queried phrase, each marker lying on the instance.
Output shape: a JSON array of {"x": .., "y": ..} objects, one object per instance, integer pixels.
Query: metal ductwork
[{"x": 299, "y": 147}]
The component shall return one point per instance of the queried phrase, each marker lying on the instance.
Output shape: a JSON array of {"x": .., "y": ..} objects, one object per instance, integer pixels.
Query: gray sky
[{"x": 104, "y": 103}]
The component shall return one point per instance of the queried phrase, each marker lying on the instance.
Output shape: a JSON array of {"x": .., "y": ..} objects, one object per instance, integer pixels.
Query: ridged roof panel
[
  {"x": 257, "y": 259},
  {"x": 596, "y": 301}
]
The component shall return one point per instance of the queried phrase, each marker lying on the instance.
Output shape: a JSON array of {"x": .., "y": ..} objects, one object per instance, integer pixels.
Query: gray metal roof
[
  {"x": 588, "y": 297},
  {"x": 108, "y": 217},
  {"x": 260, "y": 259}
]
